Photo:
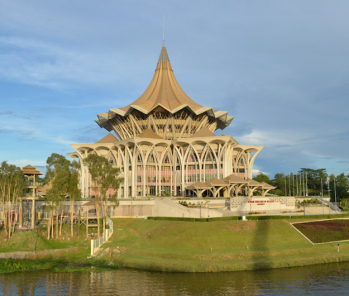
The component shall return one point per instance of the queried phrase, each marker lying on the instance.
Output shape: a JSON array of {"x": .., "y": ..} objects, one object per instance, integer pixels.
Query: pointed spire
[
  {"x": 163, "y": 31},
  {"x": 163, "y": 55}
]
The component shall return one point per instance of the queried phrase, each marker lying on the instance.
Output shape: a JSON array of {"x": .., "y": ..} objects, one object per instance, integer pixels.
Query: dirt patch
[
  {"x": 325, "y": 231},
  {"x": 243, "y": 225},
  {"x": 61, "y": 253}
]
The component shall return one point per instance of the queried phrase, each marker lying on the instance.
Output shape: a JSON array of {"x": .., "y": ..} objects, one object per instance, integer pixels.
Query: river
[{"x": 317, "y": 280}]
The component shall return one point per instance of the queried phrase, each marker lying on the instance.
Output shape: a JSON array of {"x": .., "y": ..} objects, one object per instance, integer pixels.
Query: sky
[{"x": 281, "y": 68}]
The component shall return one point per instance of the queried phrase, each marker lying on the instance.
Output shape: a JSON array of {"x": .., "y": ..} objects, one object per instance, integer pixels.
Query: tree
[
  {"x": 11, "y": 187},
  {"x": 313, "y": 180},
  {"x": 261, "y": 177},
  {"x": 73, "y": 192},
  {"x": 340, "y": 191},
  {"x": 104, "y": 180},
  {"x": 58, "y": 176},
  {"x": 279, "y": 183}
]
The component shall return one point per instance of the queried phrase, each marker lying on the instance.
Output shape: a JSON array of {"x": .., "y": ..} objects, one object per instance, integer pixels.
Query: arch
[
  {"x": 129, "y": 167},
  {"x": 166, "y": 172},
  {"x": 111, "y": 159},
  {"x": 209, "y": 161},
  {"x": 152, "y": 168},
  {"x": 178, "y": 171},
  {"x": 192, "y": 166},
  {"x": 139, "y": 172},
  {"x": 241, "y": 167}
]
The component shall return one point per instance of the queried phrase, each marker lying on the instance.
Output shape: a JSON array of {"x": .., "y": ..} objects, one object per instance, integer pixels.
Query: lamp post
[
  {"x": 322, "y": 196},
  {"x": 200, "y": 203},
  {"x": 335, "y": 193},
  {"x": 208, "y": 209}
]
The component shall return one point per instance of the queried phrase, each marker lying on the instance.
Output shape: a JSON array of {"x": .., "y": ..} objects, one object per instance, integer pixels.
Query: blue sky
[{"x": 281, "y": 68}]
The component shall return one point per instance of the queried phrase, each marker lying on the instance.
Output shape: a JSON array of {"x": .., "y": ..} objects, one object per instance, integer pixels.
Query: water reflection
[{"x": 319, "y": 280}]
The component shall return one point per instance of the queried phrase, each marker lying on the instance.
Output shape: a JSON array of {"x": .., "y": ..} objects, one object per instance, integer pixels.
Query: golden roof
[
  {"x": 254, "y": 183},
  {"x": 164, "y": 91},
  {"x": 203, "y": 132},
  {"x": 110, "y": 138},
  {"x": 216, "y": 182},
  {"x": 31, "y": 170},
  {"x": 234, "y": 179},
  {"x": 266, "y": 185},
  {"x": 148, "y": 133},
  {"x": 198, "y": 185}
]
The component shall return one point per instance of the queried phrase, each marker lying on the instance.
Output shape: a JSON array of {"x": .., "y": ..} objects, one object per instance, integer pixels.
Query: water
[{"x": 317, "y": 280}]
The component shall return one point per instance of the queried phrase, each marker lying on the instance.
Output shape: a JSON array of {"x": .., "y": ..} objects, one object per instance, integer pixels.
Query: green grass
[
  {"x": 57, "y": 265},
  {"x": 180, "y": 246},
  {"x": 236, "y": 245},
  {"x": 25, "y": 241},
  {"x": 62, "y": 255}
]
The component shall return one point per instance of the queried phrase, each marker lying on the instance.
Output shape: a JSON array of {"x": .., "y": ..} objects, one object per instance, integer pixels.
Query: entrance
[{"x": 152, "y": 190}]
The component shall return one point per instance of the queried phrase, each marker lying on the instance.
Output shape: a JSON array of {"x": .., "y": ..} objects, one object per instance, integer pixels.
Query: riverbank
[{"x": 176, "y": 246}]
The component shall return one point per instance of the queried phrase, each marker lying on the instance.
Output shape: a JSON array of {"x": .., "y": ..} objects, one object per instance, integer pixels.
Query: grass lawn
[
  {"x": 325, "y": 231},
  {"x": 28, "y": 240},
  {"x": 214, "y": 246},
  {"x": 178, "y": 246},
  {"x": 61, "y": 255}
]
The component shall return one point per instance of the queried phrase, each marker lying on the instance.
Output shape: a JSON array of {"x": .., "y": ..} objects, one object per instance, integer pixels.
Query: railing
[
  {"x": 30, "y": 195},
  {"x": 33, "y": 184},
  {"x": 97, "y": 243}
]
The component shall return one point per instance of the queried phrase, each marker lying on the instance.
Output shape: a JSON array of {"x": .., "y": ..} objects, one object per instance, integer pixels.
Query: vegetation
[
  {"x": 308, "y": 182},
  {"x": 62, "y": 175},
  {"x": 177, "y": 246},
  {"x": 105, "y": 183},
  {"x": 217, "y": 246},
  {"x": 11, "y": 188}
]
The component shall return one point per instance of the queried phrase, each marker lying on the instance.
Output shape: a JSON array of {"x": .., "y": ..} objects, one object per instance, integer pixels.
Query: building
[{"x": 166, "y": 145}]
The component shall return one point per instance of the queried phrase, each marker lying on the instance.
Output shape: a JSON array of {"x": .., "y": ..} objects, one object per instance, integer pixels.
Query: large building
[{"x": 166, "y": 145}]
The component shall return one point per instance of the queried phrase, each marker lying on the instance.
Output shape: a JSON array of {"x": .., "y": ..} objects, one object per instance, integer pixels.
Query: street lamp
[
  {"x": 200, "y": 203},
  {"x": 208, "y": 209},
  {"x": 335, "y": 194},
  {"x": 322, "y": 196}
]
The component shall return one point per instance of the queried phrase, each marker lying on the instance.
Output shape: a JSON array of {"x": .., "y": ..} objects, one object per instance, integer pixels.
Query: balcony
[
  {"x": 30, "y": 195},
  {"x": 33, "y": 184}
]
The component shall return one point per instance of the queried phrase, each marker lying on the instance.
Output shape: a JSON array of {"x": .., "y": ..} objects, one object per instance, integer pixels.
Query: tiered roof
[
  {"x": 31, "y": 170},
  {"x": 164, "y": 91}
]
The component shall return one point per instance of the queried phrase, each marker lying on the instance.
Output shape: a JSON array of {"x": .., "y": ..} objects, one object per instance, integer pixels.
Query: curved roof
[
  {"x": 165, "y": 91},
  {"x": 110, "y": 138},
  {"x": 31, "y": 170}
]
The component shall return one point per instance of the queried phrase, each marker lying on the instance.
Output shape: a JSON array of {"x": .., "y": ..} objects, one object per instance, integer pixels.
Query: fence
[{"x": 97, "y": 243}]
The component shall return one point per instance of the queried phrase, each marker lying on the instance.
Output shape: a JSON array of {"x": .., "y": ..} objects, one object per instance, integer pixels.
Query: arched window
[
  {"x": 192, "y": 167},
  {"x": 166, "y": 173},
  {"x": 151, "y": 173},
  {"x": 209, "y": 164},
  {"x": 139, "y": 173}
]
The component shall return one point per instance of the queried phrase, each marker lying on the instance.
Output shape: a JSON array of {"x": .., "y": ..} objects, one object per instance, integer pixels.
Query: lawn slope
[{"x": 214, "y": 246}]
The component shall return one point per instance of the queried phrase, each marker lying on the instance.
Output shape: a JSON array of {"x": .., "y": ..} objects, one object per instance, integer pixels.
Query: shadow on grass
[{"x": 261, "y": 246}]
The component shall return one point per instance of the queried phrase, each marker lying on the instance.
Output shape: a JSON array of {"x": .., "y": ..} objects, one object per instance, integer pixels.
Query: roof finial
[{"x": 163, "y": 30}]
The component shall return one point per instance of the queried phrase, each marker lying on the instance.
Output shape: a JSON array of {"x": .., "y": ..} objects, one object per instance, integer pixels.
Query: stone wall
[{"x": 256, "y": 204}]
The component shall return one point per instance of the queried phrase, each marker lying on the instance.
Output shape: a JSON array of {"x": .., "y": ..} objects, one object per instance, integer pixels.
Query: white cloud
[{"x": 23, "y": 162}]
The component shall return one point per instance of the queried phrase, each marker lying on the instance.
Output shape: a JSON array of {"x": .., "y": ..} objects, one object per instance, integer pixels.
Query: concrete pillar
[
  {"x": 33, "y": 213},
  {"x": 20, "y": 213}
]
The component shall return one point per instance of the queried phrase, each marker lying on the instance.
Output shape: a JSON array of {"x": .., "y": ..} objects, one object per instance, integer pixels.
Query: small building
[{"x": 31, "y": 189}]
